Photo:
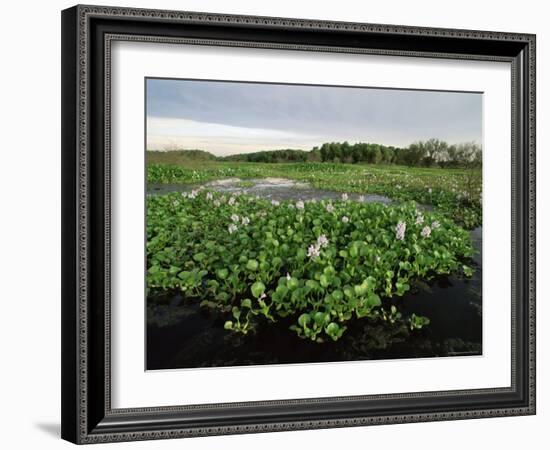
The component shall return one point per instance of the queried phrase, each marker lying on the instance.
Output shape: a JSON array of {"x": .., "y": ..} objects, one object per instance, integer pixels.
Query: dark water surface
[{"x": 184, "y": 335}]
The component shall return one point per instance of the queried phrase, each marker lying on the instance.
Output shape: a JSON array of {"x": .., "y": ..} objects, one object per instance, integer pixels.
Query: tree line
[{"x": 430, "y": 153}]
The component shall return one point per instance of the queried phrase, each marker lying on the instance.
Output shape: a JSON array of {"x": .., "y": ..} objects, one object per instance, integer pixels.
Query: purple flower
[
  {"x": 322, "y": 241},
  {"x": 400, "y": 230},
  {"x": 313, "y": 251},
  {"x": 426, "y": 231}
]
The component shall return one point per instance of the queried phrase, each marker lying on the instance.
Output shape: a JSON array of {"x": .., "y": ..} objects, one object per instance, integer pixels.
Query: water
[
  {"x": 271, "y": 188},
  {"x": 184, "y": 335}
]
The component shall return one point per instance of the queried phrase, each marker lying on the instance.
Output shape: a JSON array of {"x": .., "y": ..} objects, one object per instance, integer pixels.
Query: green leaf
[
  {"x": 222, "y": 273},
  {"x": 199, "y": 257},
  {"x": 257, "y": 289},
  {"x": 303, "y": 320},
  {"x": 252, "y": 265},
  {"x": 236, "y": 312}
]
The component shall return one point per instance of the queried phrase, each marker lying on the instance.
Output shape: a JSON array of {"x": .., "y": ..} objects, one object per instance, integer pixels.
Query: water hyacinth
[
  {"x": 345, "y": 197},
  {"x": 322, "y": 241},
  {"x": 426, "y": 231},
  {"x": 419, "y": 219},
  {"x": 231, "y": 201},
  {"x": 313, "y": 251},
  {"x": 300, "y": 257},
  {"x": 330, "y": 208},
  {"x": 400, "y": 230}
]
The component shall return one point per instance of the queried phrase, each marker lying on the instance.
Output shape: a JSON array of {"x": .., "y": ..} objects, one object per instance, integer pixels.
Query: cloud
[{"x": 222, "y": 115}]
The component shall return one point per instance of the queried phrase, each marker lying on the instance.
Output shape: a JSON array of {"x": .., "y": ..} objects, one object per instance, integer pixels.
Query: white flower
[
  {"x": 263, "y": 296},
  {"x": 345, "y": 219},
  {"x": 426, "y": 231},
  {"x": 345, "y": 196},
  {"x": 313, "y": 251},
  {"x": 400, "y": 230},
  {"x": 275, "y": 203},
  {"x": 300, "y": 204},
  {"x": 184, "y": 194},
  {"x": 330, "y": 208},
  {"x": 288, "y": 277},
  {"x": 245, "y": 221},
  {"x": 217, "y": 203},
  {"x": 175, "y": 203},
  {"x": 435, "y": 224},
  {"x": 322, "y": 241},
  {"x": 235, "y": 217},
  {"x": 209, "y": 196},
  {"x": 419, "y": 219},
  {"x": 232, "y": 228},
  {"x": 231, "y": 201},
  {"x": 194, "y": 193},
  {"x": 378, "y": 258},
  {"x": 361, "y": 198},
  {"x": 430, "y": 191}
]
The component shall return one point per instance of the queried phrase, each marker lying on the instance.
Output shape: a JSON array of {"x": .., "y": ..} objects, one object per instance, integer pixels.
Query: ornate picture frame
[{"x": 88, "y": 33}]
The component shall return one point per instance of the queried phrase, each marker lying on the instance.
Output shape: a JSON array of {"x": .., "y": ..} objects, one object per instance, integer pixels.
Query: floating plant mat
[{"x": 249, "y": 270}]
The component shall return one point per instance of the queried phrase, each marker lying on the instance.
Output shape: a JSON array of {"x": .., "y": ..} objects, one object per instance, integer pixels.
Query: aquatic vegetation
[
  {"x": 455, "y": 193},
  {"x": 258, "y": 262}
]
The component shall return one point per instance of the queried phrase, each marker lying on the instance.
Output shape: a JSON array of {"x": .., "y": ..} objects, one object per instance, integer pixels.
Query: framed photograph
[{"x": 279, "y": 224}]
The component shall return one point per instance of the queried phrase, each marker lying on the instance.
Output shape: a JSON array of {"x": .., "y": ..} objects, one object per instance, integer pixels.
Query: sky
[{"x": 227, "y": 118}]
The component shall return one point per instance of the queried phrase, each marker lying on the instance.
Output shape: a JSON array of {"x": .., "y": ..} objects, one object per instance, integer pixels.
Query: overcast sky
[{"x": 226, "y": 118}]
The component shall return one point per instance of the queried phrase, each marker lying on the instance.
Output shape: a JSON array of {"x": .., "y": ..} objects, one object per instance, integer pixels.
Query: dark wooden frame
[{"x": 87, "y": 32}]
